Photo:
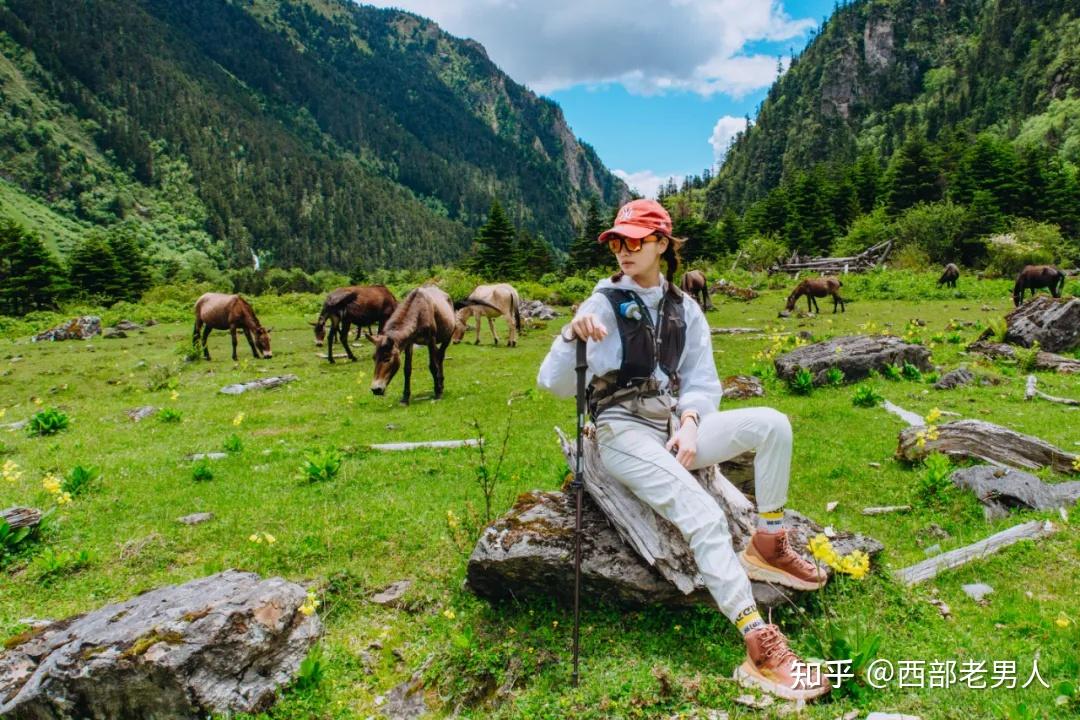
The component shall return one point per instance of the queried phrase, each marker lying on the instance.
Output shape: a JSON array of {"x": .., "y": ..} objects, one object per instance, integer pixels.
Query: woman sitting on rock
[{"x": 653, "y": 396}]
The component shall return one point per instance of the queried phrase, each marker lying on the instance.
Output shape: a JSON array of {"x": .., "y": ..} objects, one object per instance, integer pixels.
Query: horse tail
[{"x": 517, "y": 312}]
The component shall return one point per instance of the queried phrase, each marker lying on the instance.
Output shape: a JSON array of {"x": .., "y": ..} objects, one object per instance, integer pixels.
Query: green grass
[
  {"x": 383, "y": 517},
  {"x": 59, "y": 233}
]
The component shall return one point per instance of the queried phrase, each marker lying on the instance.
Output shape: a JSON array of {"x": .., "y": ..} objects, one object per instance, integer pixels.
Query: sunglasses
[{"x": 618, "y": 242}]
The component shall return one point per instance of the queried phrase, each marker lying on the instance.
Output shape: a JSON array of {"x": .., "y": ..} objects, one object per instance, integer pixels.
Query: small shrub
[
  {"x": 865, "y": 396},
  {"x": 931, "y": 377},
  {"x": 998, "y": 328},
  {"x": 187, "y": 351},
  {"x": 933, "y": 488},
  {"x": 1026, "y": 357},
  {"x": 834, "y": 376},
  {"x": 892, "y": 372},
  {"x": 14, "y": 541},
  {"x": 163, "y": 377},
  {"x": 169, "y": 415},
  {"x": 311, "y": 671},
  {"x": 911, "y": 372},
  {"x": 201, "y": 472},
  {"x": 79, "y": 479},
  {"x": 52, "y": 564},
  {"x": 954, "y": 338},
  {"x": 47, "y": 422},
  {"x": 766, "y": 372},
  {"x": 802, "y": 383},
  {"x": 321, "y": 465},
  {"x": 233, "y": 444}
]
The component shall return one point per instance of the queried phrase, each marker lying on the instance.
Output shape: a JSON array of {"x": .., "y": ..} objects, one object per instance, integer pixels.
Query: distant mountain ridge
[{"x": 314, "y": 133}]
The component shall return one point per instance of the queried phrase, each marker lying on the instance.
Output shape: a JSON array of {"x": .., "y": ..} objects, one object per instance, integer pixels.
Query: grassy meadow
[{"x": 384, "y": 516}]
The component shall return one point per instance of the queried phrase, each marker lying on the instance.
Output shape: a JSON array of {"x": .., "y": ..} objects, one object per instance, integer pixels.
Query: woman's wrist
[{"x": 690, "y": 415}]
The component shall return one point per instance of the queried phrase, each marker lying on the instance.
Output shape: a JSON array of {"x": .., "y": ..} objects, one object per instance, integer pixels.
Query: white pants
[{"x": 635, "y": 455}]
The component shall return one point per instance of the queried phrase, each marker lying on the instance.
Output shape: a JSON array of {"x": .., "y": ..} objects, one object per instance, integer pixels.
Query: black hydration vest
[{"x": 643, "y": 348}]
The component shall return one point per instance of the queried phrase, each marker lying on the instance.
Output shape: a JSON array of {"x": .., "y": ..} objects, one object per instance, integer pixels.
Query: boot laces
[
  {"x": 788, "y": 553},
  {"x": 773, "y": 643}
]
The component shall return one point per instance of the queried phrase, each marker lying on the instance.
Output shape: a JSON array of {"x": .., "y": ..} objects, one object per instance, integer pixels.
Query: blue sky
[{"x": 657, "y": 87}]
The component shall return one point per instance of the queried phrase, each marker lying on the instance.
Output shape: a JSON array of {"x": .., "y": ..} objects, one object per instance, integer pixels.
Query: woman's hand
[
  {"x": 588, "y": 327},
  {"x": 685, "y": 443}
]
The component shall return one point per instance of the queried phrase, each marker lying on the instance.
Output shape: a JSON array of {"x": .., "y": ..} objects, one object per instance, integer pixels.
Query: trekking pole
[{"x": 578, "y": 486}]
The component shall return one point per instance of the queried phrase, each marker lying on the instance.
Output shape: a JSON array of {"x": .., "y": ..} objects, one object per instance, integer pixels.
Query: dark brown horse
[
  {"x": 949, "y": 277},
  {"x": 217, "y": 311},
  {"x": 1033, "y": 277},
  {"x": 360, "y": 305},
  {"x": 424, "y": 317},
  {"x": 695, "y": 285},
  {"x": 817, "y": 287}
]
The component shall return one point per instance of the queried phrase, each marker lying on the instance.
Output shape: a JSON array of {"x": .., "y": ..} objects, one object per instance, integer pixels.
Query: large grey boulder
[
  {"x": 220, "y": 644},
  {"x": 1054, "y": 323},
  {"x": 1001, "y": 490},
  {"x": 856, "y": 355}
]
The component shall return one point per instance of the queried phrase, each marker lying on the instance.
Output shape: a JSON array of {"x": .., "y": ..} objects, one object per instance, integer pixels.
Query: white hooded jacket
[{"x": 699, "y": 384}]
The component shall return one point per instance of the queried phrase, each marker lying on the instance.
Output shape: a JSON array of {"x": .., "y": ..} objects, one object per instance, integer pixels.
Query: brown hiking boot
[
  {"x": 771, "y": 666},
  {"x": 769, "y": 557}
]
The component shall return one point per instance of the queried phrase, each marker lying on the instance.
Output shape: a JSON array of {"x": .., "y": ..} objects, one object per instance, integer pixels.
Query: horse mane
[{"x": 402, "y": 322}]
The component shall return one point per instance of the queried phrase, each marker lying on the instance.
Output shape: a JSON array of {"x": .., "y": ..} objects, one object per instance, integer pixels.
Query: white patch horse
[{"x": 490, "y": 301}]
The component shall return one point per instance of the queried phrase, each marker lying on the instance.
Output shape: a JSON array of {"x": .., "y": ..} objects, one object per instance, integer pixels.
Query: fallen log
[
  {"x": 912, "y": 419},
  {"x": 1054, "y": 323},
  {"x": 394, "y": 447},
  {"x": 1043, "y": 360},
  {"x": 731, "y": 290},
  {"x": 1031, "y": 392},
  {"x": 855, "y": 355},
  {"x": 979, "y": 440},
  {"x": 733, "y": 330},
  {"x": 261, "y": 384},
  {"x": 928, "y": 569},
  {"x": 886, "y": 509}
]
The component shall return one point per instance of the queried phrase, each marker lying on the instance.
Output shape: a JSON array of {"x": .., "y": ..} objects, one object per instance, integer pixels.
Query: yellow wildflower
[
  {"x": 37, "y": 400},
  {"x": 174, "y": 395},
  {"x": 678, "y": 628},
  {"x": 1076, "y": 463},
  {"x": 238, "y": 419},
  {"x": 11, "y": 471},
  {"x": 1063, "y": 620},
  {"x": 555, "y": 624},
  {"x": 856, "y": 564},
  {"x": 3, "y": 412},
  {"x": 451, "y": 520},
  {"x": 51, "y": 483},
  {"x": 270, "y": 539},
  {"x": 920, "y": 439},
  {"x": 63, "y": 498},
  {"x": 933, "y": 416},
  {"x": 449, "y": 614},
  {"x": 349, "y": 399},
  {"x": 310, "y": 603},
  {"x": 254, "y": 537},
  {"x": 360, "y": 377}
]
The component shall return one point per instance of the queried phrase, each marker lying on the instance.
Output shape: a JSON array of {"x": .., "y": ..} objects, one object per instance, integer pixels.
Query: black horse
[
  {"x": 948, "y": 278},
  {"x": 1033, "y": 277}
]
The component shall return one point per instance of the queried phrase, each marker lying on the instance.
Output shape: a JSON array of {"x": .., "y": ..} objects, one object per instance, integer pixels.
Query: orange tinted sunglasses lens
[{"x": 632, "y": 244}]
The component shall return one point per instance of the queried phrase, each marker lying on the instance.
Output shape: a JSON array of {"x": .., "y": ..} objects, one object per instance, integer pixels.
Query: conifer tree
[
  {"x": 133, "y": 278},
  {"x": 30, "y": 279},
  {"x": 535, "y": 257},
  {"x": 913, "y": 176},
  {"x": 93, "y": 269},
  {"x": 495, "y": 245},
  {"x": 585, "y": 252}
]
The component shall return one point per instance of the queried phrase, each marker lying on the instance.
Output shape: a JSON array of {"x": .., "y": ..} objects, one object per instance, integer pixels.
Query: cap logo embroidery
[{"x": 626, "y": 213}]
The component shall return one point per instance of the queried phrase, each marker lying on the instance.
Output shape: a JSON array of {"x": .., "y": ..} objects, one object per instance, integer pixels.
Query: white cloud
[
  {"x": 723, "y": 132},
  {"x": 650, "y": 46},
  {"x": 646, "y": 182}
]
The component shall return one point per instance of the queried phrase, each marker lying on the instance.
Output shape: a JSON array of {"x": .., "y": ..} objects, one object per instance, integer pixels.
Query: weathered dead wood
[
  {"x": 979, "y": 440},
  {"x": 1043, "y": 360},
  {"x": 261, "y": 384},
  {"x": 928, "y": 569},
  {"x": 886, "y": 509},
  {"x": 1001, "y": 490},
  {"x": 731, "y": 290},
  {"x": 912, "y": 419},
  {"x": 855, "y": 355},
  {"x": 17, "y": 517},
  {"x": 866, "y": 260},
  {"x": 1033, "y": 392},
  {"x": 733, "y": 330},
  {"x": 394, "y": 447},
  {"x": 1054, "y": 323}
]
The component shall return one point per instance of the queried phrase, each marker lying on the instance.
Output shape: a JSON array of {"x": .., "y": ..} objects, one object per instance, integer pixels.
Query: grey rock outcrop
[
  {"x": 1001, "y": 490},
  {"x": 1054, "y": 323},
  {"x": 740, "y": 387},
  {"x": 79, "y": 328},
  {"x": 855, "y": 355},
  {"x": 220, "y": 644}
]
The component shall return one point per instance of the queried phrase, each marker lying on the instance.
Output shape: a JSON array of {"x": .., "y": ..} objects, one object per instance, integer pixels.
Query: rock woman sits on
[{"x": 653, "y": 395}]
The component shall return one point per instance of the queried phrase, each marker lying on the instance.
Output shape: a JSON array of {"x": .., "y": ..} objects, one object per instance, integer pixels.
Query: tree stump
[
  {"x": 630, "y": 555},
  {"x": 1054, "y": 323},
  {"x": 855, "y": 355},
  {"x": 979, "y": 440}
]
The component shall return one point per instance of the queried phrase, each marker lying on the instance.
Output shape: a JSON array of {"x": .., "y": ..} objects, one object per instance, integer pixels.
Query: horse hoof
[
  {"x": 404, "y": 401},
  {"x": 352, "y": 359}
]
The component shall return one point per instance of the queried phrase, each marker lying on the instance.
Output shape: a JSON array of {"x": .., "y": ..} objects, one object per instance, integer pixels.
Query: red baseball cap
[{"x": 638, "y": 219}]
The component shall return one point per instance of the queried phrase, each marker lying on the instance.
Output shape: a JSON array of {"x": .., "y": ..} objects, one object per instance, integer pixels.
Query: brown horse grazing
[
  {"x": 695, "y": 285},
  {"x": 1033, "y": 277},
  {"x": 489, "y": 301},
  {"x": 424, "y": 317},
  {"x": 817, "y": 287},
  {"x": 359, "y": 305},
  {"x": 217, "y": 311},
  {"x": 949, "y": 277}
]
